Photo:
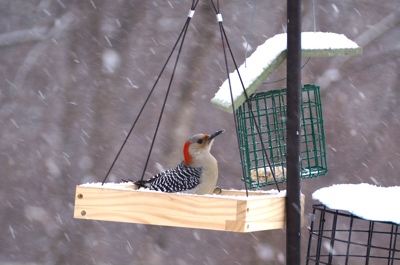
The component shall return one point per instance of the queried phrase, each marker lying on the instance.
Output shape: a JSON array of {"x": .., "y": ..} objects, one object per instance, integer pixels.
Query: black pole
[{"x": 293, "y": 214}]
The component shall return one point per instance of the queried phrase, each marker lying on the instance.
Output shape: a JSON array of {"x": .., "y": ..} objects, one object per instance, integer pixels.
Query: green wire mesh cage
[{"x": 268, "y": 113}]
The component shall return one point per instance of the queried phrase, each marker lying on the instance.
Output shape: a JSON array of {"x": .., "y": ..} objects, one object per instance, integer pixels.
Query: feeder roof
[{"x": 268, "y": 56}]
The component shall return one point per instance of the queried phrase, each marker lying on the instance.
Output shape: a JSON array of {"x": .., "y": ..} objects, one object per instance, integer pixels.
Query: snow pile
[
  {"x": 364, "y": 200},
  {"x": 231, "y": 194},
  {"x": 325, "y": 41},
  {"x": 110, "y": 185},
  {"x": 269, "y": 55}
]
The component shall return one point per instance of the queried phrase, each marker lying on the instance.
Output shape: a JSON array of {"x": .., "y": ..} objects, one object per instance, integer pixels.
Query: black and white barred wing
[{"x": 178, "y": 179}]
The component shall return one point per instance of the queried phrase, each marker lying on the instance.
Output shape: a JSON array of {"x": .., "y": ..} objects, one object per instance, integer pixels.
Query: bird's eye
[{"x": 200, "y": 141}]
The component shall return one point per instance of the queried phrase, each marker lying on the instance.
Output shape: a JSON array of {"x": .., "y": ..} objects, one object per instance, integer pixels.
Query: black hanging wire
[
  {"x": 225, "y": 39},
  {"x": 231, "y": 94},
  {"x": 181, "y": 35}
]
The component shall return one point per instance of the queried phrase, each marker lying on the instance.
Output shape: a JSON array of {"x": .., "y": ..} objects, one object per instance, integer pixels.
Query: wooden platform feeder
[{"x": 230, "y": 210}]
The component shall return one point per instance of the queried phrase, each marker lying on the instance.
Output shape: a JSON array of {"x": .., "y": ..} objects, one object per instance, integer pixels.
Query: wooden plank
[
  {"x": 331, "y": 52},
  {"x": 154, "y": 218},
  {"x": 165, "y": 203},
  {"x": 178, "y": 221},
  {"x": 270, "y": 209},
  {"x": 230, "y": 211}
]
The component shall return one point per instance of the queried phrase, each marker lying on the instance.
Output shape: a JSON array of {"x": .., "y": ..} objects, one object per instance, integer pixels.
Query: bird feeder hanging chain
[
  {"x": 182, "y": 34},
  {"x": 181, "y": 39},
  {"x": 219, "y": 20},
  {"x": 225, "y": 40},
  {"x": 167, "y": 93}
]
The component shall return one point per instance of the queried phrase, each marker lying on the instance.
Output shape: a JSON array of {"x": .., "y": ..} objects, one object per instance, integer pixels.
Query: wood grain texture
[{"x": 229, "y": 211}]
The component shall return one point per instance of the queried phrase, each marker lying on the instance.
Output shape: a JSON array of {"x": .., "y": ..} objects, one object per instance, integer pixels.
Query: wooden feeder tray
[{"x": 230, "y": 210}]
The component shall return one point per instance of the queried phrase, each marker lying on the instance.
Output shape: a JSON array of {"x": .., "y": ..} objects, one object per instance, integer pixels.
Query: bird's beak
[{"x": 212, "y": 136}]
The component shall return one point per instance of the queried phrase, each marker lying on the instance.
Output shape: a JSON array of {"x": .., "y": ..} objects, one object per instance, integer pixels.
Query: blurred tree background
[{"x": 74, "y": 74}]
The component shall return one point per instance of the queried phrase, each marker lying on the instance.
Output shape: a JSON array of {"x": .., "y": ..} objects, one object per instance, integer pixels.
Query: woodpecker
[{"x": 196, "y": 174}]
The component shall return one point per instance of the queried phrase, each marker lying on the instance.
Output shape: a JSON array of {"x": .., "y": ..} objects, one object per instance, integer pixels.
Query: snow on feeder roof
[{"x": 271, "y": 54}]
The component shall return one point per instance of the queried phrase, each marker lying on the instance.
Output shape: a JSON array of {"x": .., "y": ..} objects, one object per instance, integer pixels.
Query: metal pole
[{"x": 293, "y": 214}]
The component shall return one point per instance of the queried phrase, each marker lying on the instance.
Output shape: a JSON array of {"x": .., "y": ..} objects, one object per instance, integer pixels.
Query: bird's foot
[{"x": 217, "y": 190}]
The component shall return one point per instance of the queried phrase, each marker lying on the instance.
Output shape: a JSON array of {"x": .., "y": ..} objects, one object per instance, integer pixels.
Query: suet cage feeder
[
  {"x": 268, "y": 109},
  {"x": 338, "y": 237}
]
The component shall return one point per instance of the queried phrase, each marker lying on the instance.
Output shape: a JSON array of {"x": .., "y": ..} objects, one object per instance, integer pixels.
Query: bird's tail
[{"x": 142, "y": 183}]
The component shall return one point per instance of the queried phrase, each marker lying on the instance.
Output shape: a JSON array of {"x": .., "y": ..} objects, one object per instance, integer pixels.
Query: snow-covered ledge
[
  {"x": 364, "y": 200},
  {"x": 268, "y": 56}
]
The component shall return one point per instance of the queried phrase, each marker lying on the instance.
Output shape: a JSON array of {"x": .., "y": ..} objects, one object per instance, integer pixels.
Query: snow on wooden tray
[
  {"x": 270, "y": 55},
  {"x": 230, "y": 210},
  {"x": 364, "y": 200}
]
